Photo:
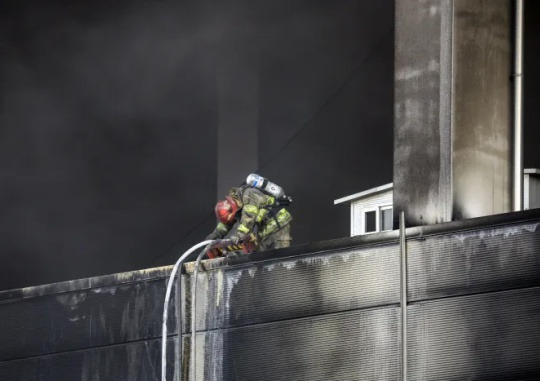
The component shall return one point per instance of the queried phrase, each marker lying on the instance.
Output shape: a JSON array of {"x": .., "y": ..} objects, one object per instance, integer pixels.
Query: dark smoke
[{"x": 109, "y": 113}]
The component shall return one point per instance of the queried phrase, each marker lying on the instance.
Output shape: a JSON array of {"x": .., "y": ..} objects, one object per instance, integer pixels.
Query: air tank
[{"x": 263, "y": 184}]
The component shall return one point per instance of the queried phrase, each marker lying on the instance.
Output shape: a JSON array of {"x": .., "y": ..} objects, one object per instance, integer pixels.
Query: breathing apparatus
[{"x": 268, "y": 187}]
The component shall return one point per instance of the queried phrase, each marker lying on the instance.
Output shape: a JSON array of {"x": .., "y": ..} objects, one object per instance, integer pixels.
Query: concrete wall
[
  {"x": 481, "y": 124},
  {"x": 452, "y": 101}
]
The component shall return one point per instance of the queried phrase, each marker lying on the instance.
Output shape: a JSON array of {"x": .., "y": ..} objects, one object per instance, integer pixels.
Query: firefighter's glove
[
  {"x": 236, "y": 239},
  {"x": 213, "y": 236}
]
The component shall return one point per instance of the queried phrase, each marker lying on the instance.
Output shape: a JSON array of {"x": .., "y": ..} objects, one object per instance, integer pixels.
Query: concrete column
[{"x": 452, "y": 130}]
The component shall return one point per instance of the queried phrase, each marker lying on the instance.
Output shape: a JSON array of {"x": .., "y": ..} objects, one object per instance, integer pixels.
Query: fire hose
[
  {"x": 179, "y": 262},
  {"x": 210, "y": 244}
]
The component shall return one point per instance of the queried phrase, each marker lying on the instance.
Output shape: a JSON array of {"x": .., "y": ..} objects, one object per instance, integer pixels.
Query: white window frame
[
  {"x": 381, "y": 208},
  {"x": 377, "y": 209},
  {"x": 366, "y": 210}
]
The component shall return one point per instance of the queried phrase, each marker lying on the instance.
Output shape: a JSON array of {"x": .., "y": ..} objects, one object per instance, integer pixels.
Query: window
[
  {"x": 370, "y": 219},
  {"x": 379, "y": 219},
  {"x": 386, "y": 218}
]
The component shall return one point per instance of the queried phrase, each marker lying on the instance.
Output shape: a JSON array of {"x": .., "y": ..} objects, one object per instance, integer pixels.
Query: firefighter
[{"x": 251, "y": 215}]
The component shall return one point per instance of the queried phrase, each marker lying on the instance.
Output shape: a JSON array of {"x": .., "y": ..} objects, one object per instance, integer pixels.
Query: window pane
[
  {"x": 386, "y": 219},
  {"x": 371, "y": 224}
]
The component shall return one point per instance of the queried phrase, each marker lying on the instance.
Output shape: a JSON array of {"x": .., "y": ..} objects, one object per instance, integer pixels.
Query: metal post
[
  {"x": 403, "y": 296},
  {"x": 517, "y": 202},
  {"x": 178, "y": 354}
]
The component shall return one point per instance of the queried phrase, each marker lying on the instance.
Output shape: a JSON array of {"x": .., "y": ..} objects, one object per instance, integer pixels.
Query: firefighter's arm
[
  {"x": 246, "y": 223},
  {"x": 220, "y": 231}
]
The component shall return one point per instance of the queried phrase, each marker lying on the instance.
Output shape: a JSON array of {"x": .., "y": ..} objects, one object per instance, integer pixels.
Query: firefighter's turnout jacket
[{"x": 259, "y": 214}]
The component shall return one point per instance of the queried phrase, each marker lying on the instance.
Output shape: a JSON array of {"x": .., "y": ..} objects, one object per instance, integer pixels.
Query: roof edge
[{"x": 365, "y": 193}]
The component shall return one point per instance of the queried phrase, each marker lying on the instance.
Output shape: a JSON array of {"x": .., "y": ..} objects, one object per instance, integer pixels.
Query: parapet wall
[
  {"x": 333, "y": 312},
  {"x": 324, "y": 311},
  {"x": 102, "y": 328}
]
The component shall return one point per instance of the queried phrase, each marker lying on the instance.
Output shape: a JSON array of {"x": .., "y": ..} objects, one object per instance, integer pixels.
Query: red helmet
[{"x": 226, "y": 210}]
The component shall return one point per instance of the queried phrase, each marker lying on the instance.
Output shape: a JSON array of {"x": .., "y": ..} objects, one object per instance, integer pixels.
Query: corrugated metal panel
[
  {"x": 326, "y": 311},
  {"x": 125, "y": 362},
  {"x": 482, "y": 260},
  {"x": 494, "y": 336},
  {"x": 297, "y": 287},
  {"x": 355, "y": 345},
  {"x": 86, "y": 283},
  {"x": 83, "y": 319}
]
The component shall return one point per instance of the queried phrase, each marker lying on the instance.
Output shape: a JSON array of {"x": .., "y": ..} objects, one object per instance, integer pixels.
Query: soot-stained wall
[
  {"x": 325, "y": 311},
  {"x": 452, "y": 155}
]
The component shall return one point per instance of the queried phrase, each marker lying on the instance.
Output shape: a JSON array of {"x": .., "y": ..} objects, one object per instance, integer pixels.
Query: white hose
[{"x": 165, "y": 309}]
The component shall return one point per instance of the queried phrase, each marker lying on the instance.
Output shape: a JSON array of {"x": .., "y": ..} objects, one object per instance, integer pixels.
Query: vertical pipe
[
  {"x": 178, "y": 350},
  {"x": 403, "y": 296},
  {"x": 517, "y": 203}
]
